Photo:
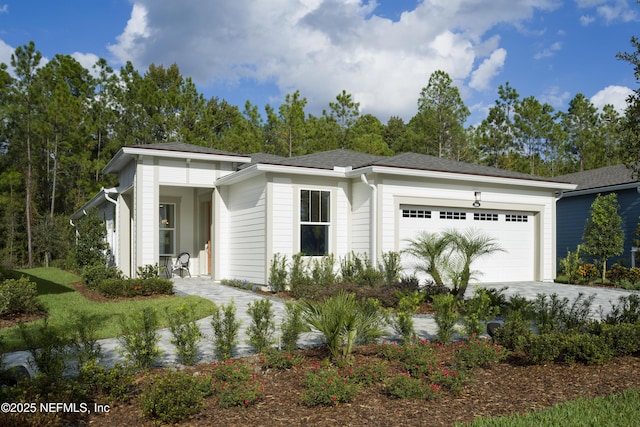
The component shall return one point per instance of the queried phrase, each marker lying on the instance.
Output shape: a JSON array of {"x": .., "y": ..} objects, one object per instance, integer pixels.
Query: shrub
[
  {"x": 571, "y": 264},
  {"x": 243, "y": 394},
  {"x": 479, "y": 353},
  {"x": 588, "y": 272},
  {"x": 292, "y": 326},
  {"x": 149, "y": 271},
  {"x": 84, "y": 339},
  {"x": 402, "y": 319},
  {"x": 93, "y": 275},
  {"x": 278, "y": 273},
  {"x": 91, "y": 247},
  {"x": 446, "y": 315},
  {"x": 185, "y": 334},
  {"x": 622, "y": 338},
  {"x": 478, "y": 310},
  {"x": 369, "y": 374},
  {"x": 513, "y": 333},
  {"x": 18, "y": 296},
  {"x": 541, "y": 349},
  {"x": 405, "y": 386},
  {"x": 299, "y": 279},
  {"x": 626, "y": 311},
  {"x": 172, "y": 397},
  {"x": 115, "y": 383},
  {"x": 417, "y": 358},
  {"x": 432, "y": 289},
  {"x": 448, "y": 379},
  {"x": 391, "y": 267},
  {"x": 280, "y": 360},
  {"x": 47, "y": 346},
  {"x": 140, "y": 338},
  {"x": 235, "y": 384},
  {"x": 328, "y": 387},
  {"x": 322, "y": 271},
  {"x": 128, "y": 288},
  {"x": 585, "y": 348},
  {"x": 225, "y": 330},
  {"x": 262, "y": 326}
]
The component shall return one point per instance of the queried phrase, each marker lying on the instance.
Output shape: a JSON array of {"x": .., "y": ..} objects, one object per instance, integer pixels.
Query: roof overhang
[
  {"x": 127, "y": 154},
  {"x": 607, "y": 189},
  {"x": 103, "y": 196},
  {"x": 338, "y": 172}
]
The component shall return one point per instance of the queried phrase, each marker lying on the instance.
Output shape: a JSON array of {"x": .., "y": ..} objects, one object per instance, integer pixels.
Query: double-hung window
[
  {"x": 167, "y": 229},
  {"x": 314, "y": 222}
]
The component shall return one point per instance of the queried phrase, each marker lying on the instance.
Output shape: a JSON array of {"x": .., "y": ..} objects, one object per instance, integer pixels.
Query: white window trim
[
  {"x": 328, "y": 223},
  {"x": 174, "y": 228}
]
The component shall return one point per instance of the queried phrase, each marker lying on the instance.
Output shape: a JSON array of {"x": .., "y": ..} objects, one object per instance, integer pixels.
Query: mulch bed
[{"x": 506, "y": 388}]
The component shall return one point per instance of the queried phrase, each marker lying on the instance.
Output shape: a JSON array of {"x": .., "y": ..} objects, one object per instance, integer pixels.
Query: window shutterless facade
[
  {"x": 315, "y": 208},
  {"x": 167, "y": 229}
]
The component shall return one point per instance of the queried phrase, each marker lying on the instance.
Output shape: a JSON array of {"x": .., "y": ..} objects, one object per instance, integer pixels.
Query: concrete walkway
[{"x": 222, "y": 295}]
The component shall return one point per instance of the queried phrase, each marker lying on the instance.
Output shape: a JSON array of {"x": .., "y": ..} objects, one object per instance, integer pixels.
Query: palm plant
[
  {"x": 469, "y": 245},
  {"x": 341, "y": 320},
  {"x": 431, "y": 249}
]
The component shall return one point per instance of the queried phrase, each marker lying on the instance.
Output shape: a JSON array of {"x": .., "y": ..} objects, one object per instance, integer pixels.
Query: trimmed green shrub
[
  {"x": 280, "y": 360},
  {"x": 446, "y": 315},
  {"x": 172, "y": 397},
  {"x": 328, "y": 387},
  {"x": 622, "y": 338},
  {"x": 140, "y": 338},
  {"x": 627, "y": 310},
  {"x": 292, "y": 326},
  {"x": 513, "y": 333},
  {"x": 391, "y": 267},
  {"x": 149, "y": 271},
  {"x": 585, "y": 348},
  {"x": 47, "y": 346},
  {"x": 479, "y": 353},
  {"x": 129, "y": 288},
  {"x": 225, "y": 330},
  {"x": 402, "y": 319},
  {"x": 93, "y": 275},
  {"x": 541, "y": 349},
  {"x": 278, "y": 273},
  {"x": 478, "y": 310},
  {"x": 114, "y": 383},
  {"x": 262, "y": 327},
  {"x": 84, "y": 340},
  {"x": 406, "y": 386},
  {"x": 185, "y": 334},
  {"x": 18, "y": 296}
]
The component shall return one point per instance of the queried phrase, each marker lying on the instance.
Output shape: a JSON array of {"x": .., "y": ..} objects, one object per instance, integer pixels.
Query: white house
[{"x": 233, "y": 212}]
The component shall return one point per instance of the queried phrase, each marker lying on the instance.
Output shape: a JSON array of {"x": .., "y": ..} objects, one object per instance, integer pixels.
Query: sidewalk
[{"x": 222, "y": 295}]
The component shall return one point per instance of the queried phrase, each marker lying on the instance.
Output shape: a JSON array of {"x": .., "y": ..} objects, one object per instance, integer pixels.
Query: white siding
[
  {"x": 147, "y": 215},
  {"x": 360, "y": 218},
  {"x": 283, "y": 218},
  {"x": 247, "y": 226},
  {"x": 342, "y": 220}
]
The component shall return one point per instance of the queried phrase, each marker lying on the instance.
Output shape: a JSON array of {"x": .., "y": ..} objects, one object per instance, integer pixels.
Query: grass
[
  {"x": 63, "y": 302},
  {"x": 616, "y": 410}
]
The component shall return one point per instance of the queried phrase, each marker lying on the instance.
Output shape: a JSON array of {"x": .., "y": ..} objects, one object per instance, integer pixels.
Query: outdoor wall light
[{"x": 476, "y": 196}]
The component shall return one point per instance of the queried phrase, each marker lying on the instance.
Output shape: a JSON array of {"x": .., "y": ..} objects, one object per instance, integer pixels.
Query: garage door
[{"x": 514, "y": 231}]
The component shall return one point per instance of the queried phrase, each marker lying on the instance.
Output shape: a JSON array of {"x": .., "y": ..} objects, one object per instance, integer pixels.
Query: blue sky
[{"x": 382, "y": 52}]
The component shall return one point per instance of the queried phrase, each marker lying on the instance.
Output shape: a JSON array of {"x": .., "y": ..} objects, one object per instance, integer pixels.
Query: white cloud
[
  {"x": 548, "y": 51},
  {"x": 555, "y": 97},
  {"x": 586, "y": 20},
  {"x": 614, "y": 95},
  {"x": 324, "y": 46},
  {"x": 87, "y": 60},
  {"x": 5, "y": 52},
  {"x": 489, "y": 68},
  {"x": 4, "y": 8}
]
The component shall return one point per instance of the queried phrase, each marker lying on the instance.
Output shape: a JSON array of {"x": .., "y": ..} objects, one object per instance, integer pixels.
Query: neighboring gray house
[
  {"x": 234, "y": 212},
  {"x": 574, "y": 207}
]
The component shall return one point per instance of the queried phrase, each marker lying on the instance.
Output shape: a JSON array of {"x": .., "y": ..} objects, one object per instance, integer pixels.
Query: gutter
[{"x": 373, "y": 223}]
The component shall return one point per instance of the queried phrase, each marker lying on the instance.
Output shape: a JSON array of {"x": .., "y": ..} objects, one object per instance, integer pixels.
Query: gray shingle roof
[
  {"x": 602, "y": 177},
  {"x": 329, "y": 159},
  {"x": 439, "y": 164},
  {"x": 186, "y": 148}
]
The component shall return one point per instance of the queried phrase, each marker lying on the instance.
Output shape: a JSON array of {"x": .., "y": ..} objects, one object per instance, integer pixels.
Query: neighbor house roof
[{"x": 599, "y": 179}]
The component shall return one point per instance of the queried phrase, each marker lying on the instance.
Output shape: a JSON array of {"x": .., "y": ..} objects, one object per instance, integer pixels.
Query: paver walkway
[{"x": 203, "y": 286}]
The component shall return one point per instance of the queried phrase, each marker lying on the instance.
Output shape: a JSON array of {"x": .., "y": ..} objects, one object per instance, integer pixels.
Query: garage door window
[
  {"x": 516, "y": 218},
  {"x": 416, "y": 213},
  {"x": 314, "y": 222},
  {"x": 453, "y": 215},
  {"x": 478, "y": 216}
]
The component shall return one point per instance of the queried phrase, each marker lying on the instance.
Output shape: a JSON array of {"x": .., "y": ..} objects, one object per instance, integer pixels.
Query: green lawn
[
  {"x": 62, "y": 302},
  {"x": 616, "y": 410}
]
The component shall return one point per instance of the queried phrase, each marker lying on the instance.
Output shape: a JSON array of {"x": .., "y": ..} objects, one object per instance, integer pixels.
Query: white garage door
[{"x": 512, "y": 230}]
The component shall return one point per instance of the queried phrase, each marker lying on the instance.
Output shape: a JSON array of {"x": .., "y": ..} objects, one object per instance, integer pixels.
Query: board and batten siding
[
  {"x": 283, "y": 218},
  {"x": 247, "y": 230},
  {"x": 146, "y": 214},
  {"x": 360, "y": 219}
]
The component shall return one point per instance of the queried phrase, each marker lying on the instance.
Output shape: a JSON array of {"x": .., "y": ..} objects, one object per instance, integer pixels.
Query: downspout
[{"x": 373, "y": 223}]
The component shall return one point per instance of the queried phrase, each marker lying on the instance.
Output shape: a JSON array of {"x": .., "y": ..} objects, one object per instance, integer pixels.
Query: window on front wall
[
  {"x": 314, "y": 222},
  {"x": 167, "y": 229}
]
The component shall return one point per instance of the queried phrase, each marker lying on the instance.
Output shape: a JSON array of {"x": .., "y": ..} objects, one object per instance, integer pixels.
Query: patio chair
[{"x": 181, "y": 264}]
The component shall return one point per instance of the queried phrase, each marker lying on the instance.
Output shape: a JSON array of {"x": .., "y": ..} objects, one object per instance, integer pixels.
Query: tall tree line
[{"x": 62, "y": 123}]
